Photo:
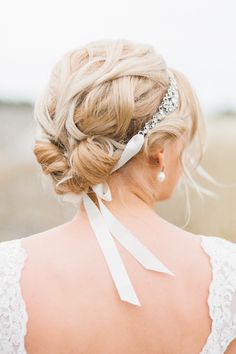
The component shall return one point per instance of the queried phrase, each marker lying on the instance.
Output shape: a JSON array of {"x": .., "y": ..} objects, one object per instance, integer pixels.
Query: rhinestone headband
[{"x": 168, "y": 105}]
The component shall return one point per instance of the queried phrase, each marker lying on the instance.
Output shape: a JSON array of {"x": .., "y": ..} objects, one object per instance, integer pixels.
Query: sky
[{"x": 195, "y": 37}]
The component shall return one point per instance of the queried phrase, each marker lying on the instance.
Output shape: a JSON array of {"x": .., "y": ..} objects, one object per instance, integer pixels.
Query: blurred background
[{"x": 194, "y": 37}]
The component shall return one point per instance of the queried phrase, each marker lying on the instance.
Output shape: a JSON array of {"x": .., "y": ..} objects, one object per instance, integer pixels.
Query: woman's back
[{"x": 73, "y": 306}]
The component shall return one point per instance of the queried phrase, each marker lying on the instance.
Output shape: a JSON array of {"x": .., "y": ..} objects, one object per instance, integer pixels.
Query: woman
[{"x": 115, "y": 132}]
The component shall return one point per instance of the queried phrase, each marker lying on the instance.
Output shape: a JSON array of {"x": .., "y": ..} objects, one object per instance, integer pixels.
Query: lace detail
[
  {"x": 13, "y": 314},
  {"x": 222, "y": 293}
]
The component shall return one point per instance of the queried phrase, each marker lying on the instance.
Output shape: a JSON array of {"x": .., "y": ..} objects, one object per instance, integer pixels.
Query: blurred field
[{"x": 27, "y": 208}]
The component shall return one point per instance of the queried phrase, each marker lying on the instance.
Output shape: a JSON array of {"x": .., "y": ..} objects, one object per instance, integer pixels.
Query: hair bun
[{"x": 92, "y": 160}]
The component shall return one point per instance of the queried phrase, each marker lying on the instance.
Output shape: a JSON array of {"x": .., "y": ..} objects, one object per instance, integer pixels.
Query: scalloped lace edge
[
  {"x": 222, "y": 332},
  {"x": 15, "y": 315}
]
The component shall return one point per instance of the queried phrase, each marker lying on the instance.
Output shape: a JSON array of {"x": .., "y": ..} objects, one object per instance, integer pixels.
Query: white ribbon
[{"x": 104, "y": 224}]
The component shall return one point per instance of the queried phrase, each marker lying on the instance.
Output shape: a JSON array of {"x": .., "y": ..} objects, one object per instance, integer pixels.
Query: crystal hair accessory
[
  {"x": 103, "y": 222},
  {"x": 169, "y": 104}
]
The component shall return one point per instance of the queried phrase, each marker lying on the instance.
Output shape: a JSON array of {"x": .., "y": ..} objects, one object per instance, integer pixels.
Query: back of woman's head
[{"x": 97, "y": 98}]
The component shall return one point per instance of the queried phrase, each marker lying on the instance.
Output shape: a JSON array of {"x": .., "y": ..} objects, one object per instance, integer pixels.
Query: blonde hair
[{"x": 97, "y": 98}]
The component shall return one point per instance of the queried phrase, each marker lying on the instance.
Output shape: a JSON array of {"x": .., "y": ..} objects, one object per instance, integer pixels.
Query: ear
[{"x": 159, "y": 157}]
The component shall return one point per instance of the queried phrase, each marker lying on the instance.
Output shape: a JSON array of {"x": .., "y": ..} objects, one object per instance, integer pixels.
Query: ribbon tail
[
  {"x": 134, "y": 246},
  {"x": 111, "y": 254}
]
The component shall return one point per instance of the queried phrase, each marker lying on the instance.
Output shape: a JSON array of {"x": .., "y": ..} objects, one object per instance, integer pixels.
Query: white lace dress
[{"x": 221, "y": 298}]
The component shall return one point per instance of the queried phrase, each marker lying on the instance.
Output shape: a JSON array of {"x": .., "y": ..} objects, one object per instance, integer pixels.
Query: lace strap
[
  {"x": 222, "y": 293},
  {"x": 13, "y": 314}
]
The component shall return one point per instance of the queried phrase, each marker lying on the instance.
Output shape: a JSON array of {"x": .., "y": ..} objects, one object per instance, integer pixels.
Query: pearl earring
[{"x": 161, "y": 176}]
